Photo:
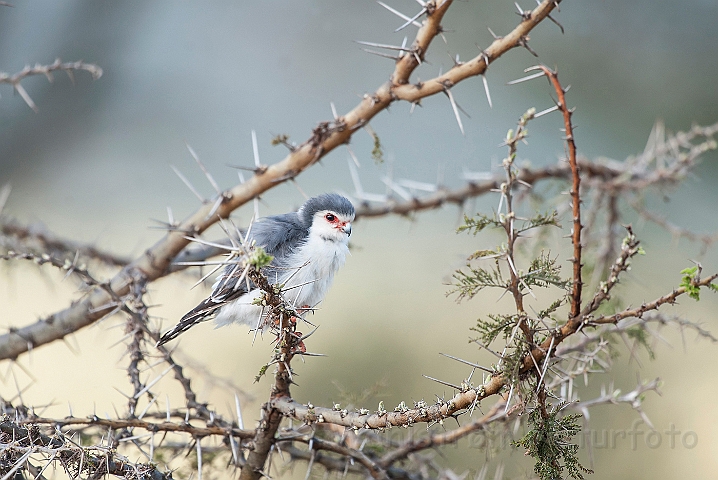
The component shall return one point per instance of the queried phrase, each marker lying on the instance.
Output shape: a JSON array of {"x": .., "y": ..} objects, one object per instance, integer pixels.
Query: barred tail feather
[{"x": 198, "y": 314}]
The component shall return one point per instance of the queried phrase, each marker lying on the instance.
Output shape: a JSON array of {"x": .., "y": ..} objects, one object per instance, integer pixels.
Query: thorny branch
[
  {"x": 24, "y": 447},
  {"x": 577, "y": 284},
  {"x": 39, "y": 240},
  {"x": 47, "y": 70}
]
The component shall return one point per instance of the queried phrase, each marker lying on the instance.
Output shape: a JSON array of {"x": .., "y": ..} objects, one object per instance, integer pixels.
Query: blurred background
[{"x": 93, "y": 165}]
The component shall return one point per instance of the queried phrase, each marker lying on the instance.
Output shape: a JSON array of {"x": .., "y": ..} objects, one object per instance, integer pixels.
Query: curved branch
[
  {"x": 69, "y": 68},
  {"x": 497, "y": 412},
  {"x": 138, "y": 423},
  {"x": 36, "y": 237},
  {"x": 316, "y": 443}
]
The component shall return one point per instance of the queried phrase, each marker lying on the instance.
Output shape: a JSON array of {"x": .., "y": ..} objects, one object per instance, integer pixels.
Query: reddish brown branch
[{"x": 575, "y": 190}]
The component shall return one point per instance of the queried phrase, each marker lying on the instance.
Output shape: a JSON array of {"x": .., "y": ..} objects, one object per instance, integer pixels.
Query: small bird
[{"x": 308, "y": 247}]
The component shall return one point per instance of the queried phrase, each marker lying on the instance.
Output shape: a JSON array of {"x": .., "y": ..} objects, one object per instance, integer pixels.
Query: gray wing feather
[{"x": 279, "y": 235}]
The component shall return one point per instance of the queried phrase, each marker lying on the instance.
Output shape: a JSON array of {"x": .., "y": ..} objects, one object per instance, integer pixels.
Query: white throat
[{"x": 321, "y": 257}]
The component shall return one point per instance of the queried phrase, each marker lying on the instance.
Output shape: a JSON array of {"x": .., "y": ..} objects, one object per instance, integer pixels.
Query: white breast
[
  {"x": 321, "y": 259},
  {"x": 306, "y": 281}
]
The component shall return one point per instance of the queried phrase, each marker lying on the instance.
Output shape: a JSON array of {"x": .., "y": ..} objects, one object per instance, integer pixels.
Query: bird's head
[{"x": 330, "y": 216}]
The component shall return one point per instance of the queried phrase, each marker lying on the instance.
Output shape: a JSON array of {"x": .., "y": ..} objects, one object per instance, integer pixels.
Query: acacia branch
[
  {"x": 316, "y": 443},
  {"x": 400, "y": 417},
  {"x": 195, "y": 431},
  {"x": 37, "y": 238},
  {"x": 575, "y": 192},
  {"x": 47, "y": 70},
  {"x": 20, "y": 444},
  {"x": 497, "y": 412},
  {"x": 647, "y": 307}
]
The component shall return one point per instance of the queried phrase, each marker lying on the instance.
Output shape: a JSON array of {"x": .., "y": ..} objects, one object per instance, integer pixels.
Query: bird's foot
[
  {"x": 299, "y": 347},
  {"x": 295, "y": 338}
]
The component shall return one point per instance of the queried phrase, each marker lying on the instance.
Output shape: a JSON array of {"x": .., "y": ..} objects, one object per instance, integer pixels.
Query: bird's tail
[{"x": 198, "y": 314}]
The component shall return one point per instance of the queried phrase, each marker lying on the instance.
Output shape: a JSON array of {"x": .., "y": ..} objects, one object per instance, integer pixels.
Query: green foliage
[
  {"x": 259, "y": 258},
  {"x": 478, "y": 223},
  {"x": 544, "y": 272},
  {"x": 468, "y": 284},
  {"x": 377, "y": 153},
  {"x": 540, "y": 220},
  {"x": 551, "y": 309},
  {"x": 262, "y": 372},
  {"x": 483, "y": 254},
  {"x": 497, "y": 325},
  {"x": 548, "y": 441},
  {"x": 690, "y": 276}
]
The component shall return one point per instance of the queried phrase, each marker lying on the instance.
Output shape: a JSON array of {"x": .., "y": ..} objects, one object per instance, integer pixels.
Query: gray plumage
[{"x": 307, "y": 248}]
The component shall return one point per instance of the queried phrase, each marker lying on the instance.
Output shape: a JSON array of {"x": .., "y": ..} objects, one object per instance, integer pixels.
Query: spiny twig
[{"x": 47, "y": 70}]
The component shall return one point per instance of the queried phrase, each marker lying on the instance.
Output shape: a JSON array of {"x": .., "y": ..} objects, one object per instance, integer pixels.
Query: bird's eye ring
[{"x": 330, "y": 217}]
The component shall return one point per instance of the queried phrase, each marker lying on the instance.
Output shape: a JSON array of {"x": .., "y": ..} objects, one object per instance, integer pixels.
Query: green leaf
[
  {"x": 478, "y": 223},
  {"x": 259, "y": 258},
  {"x": 689, "y": 275},
  {"x": 540, "y": 220},
  {"x": 544, "y": 272},
  {"x": 468, "y": 284},
  {"x": 690, "y": 271}
]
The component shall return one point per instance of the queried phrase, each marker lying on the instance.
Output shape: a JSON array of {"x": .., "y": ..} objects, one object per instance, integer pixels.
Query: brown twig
[
  {"x": 36, "y": 238},
  {"x": 497, "y": 412},
  {"x": 669, "y": 298},
  {"x": 279, "y": 312},
  {"x": 577, "y": 284},
  {"x": 119, "y": 423},
  {"x": 47, "y": 71},
  {"x": 373, "y": 468}
]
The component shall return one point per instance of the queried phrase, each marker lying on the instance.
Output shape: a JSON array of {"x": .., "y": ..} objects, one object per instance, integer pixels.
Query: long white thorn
[
  {"x": 354, "y": 157},
  {"x": 240, "y": 422},
  {"x": 4, "y": 195},
  {"x": 412, "y": 20},
  {"x": 255, "y": 149},
  {"x": 199, "y": 459},
  {"x": 189, "y": 185},
  {"x": 526, "y": 78},
  {"x": 203, "y": 168},
  {"x": 456, "y": 110},
  {"x": 486, "y": 89},
  {"x": 398, "y": 13}
]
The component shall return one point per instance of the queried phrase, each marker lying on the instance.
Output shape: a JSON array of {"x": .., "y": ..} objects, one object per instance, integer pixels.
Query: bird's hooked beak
[{"x": 347, "y": 228}]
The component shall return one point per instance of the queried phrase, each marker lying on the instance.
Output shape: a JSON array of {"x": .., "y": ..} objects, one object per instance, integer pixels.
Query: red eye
[{"x": 330, "y": 217}]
